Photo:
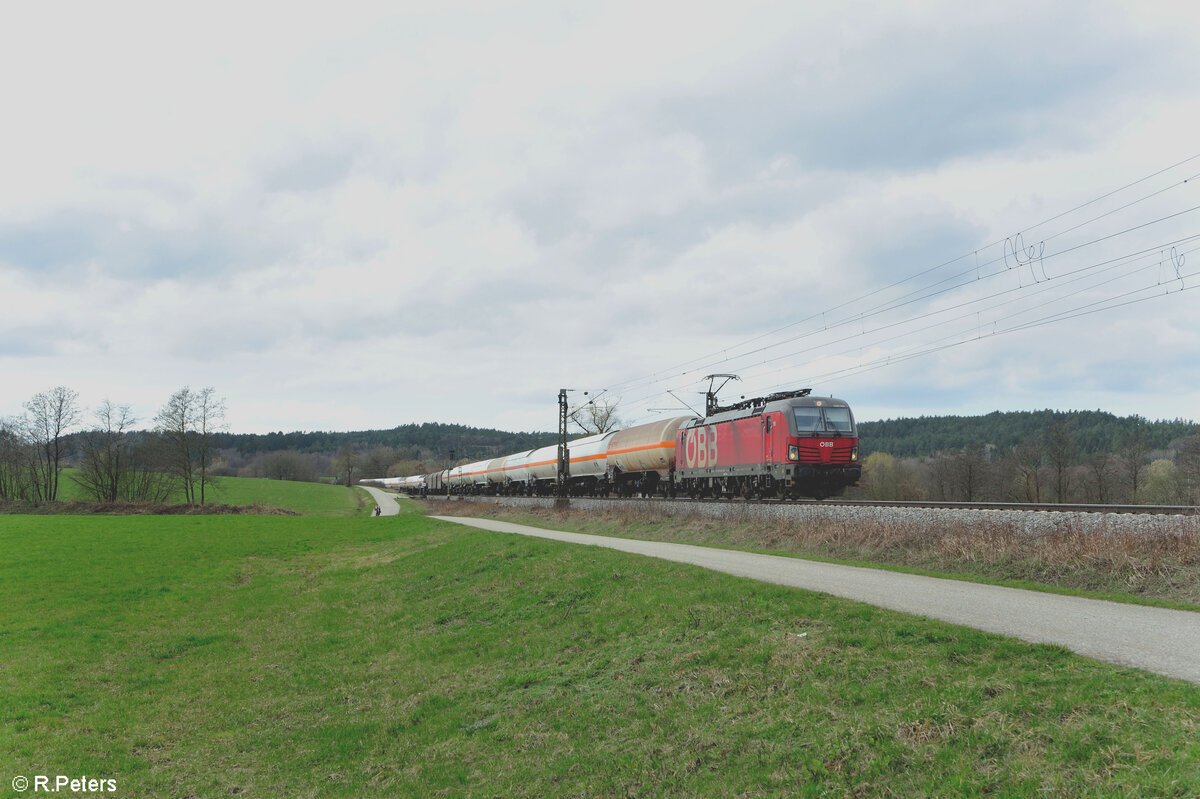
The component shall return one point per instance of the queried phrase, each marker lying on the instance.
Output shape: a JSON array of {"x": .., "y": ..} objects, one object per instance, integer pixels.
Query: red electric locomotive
[{"x": 785, "y": 445}]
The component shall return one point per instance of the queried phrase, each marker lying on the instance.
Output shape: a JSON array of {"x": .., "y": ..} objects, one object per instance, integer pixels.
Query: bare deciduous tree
[
  {"x": 597, "y": 416},
  {"x": 346, "y": 461},
  {"x": 1135, "y": 457},
  {"x": 106, "y": 452},
  {"x": 1027, "y": 462},
  {"x": 972, "y": 473},
  {"x": 50, "y": 415},
  {"x": 209, "y": 412},
  {"x": 175, "y": 422},
  {"x": 1187, "y": 461},
  {"x": 1101, "y": 471},
  {"x": 148, "y": 480},
  {"x": 187, "y": 423},
  {"x": 16, "y": 456},
  {"x": 1060, "y": 451},
  {"x": 942, "y": 477}
]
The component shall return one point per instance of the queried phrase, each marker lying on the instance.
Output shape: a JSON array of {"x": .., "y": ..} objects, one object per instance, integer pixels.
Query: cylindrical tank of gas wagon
[
  {"x": 588, "y": 455},
  {"x": 516, "y": 467},
  {"x": 495, "y": 472},
  {"x": 475, "y": 474},
  {"x": 543, "y": 463},
  {"x": 647, "y": 447}
]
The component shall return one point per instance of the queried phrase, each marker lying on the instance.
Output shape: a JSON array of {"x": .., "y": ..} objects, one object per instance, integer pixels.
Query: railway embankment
[
  {"x": 1129, "y": 557},
  {"x": 1016, "y": 520},
  {"x": 1161, "y": 640}
]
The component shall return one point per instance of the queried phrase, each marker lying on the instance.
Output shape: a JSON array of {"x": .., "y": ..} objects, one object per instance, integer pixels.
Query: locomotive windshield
[
  {"x": 829, "y": 419},
  {"x": 839, "y": 420},
  {"x": 808, "y": 420}
]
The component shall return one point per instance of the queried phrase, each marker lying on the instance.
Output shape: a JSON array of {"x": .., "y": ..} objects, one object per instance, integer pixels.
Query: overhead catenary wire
[
  {"x": 950, "y": 342},
  {"x": 928, "y": 292},
  {"x": 707, "y": 361},
  {"x": 1087, "y": 276},
  {"x": 1142, "y": 259},
  {"x": 973, "y": 332}
]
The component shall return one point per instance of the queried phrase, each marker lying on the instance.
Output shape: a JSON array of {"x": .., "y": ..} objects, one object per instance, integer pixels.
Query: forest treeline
[
  {"x": 926, "y": 436},
  {"x": 1092, "y": 431},
  {"x": 346, "y": 457},
  {"x": 429, "y": 440},
  {"x": 1043, "y": 456}
]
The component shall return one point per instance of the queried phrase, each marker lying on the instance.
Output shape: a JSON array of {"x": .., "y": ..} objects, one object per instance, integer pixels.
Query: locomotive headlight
[
  {"x": 854, "y": 454},
  {"x": 793, "y": 452}
]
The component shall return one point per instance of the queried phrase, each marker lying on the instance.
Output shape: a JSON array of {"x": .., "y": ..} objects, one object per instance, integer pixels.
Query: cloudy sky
[{"x": 365, "y": 215}]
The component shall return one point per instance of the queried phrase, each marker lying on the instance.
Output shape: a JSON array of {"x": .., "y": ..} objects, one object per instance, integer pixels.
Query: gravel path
[
  {"x": 1156, "y": 639},
  {"x": 385, "y": 500}
]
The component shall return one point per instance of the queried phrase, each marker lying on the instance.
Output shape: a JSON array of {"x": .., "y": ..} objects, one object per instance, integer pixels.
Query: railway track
[
  {"x": 1155, "y": 510},
  {"x": 1160, "y": 510}
]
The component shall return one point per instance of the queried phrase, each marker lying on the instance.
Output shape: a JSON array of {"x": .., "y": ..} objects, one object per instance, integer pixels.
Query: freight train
[{"x": 786, "y": 445}]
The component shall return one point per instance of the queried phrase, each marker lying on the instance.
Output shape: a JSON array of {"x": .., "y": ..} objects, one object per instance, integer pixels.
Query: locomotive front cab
[
  {"x": 824, "y": 443},
  {"x": 824, "y": 419}
]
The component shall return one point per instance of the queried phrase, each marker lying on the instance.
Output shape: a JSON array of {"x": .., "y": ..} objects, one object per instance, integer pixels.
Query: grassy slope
[
  {"x": 380, "y": 657},
  {"x": 310, "y": 499}
]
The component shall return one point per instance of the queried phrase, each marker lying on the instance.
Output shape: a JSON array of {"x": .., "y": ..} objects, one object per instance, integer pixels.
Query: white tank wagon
[
  {"x": 542, "y": 467},
  {"x": 496, "y": 478},
  {"x": 588, "y": 464},
  {"x": 641, "y": 457},
  {"x": 638, "y": 459},
  {"x": 516, "y": 474},
  {"x": 470, "y": 478}
]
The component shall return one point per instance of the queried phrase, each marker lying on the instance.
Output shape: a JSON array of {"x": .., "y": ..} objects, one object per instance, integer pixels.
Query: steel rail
[
  {"x": 1040, "y": 507},
  {"x": 1043, "y": 507}
]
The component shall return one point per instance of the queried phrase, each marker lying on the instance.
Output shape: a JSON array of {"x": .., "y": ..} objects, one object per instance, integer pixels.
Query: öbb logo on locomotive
[
  {"x": 786, "y": 445},
  {"x": 700, "y": 447}
]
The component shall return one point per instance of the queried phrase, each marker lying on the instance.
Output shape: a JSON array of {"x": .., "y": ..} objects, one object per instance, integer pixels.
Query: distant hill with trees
[
  {"x": 430, "y": 440},
  {"x": 400, "y": 451},
  {"x": 1032, "y": 456},
  {"x": 1094, "y": 432}
]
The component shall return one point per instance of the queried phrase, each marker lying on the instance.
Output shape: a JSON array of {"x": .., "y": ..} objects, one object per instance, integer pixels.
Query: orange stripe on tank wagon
[
  {"x": 584, "y": 458},
  {"x": 643, "y": 447}
]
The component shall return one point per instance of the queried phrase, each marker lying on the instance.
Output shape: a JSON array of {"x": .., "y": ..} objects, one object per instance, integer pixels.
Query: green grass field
[
  {"x": 310, "y": 499},
  {"x": 307, "y": 656}
]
